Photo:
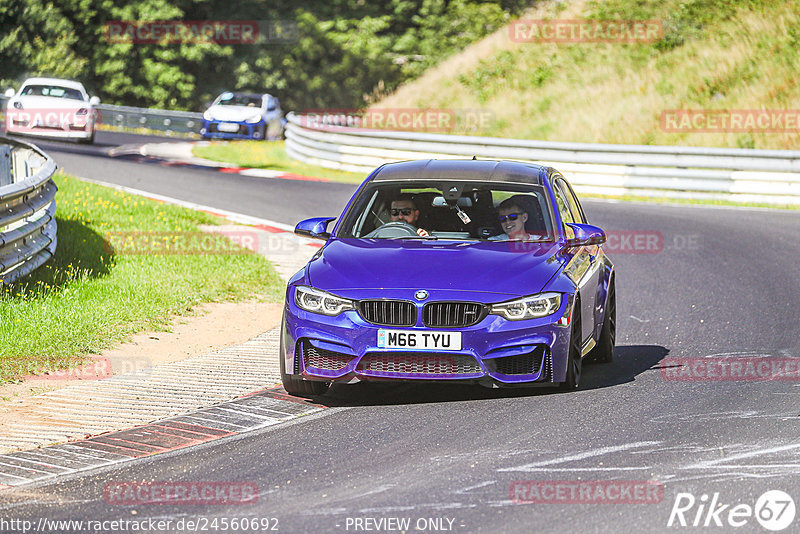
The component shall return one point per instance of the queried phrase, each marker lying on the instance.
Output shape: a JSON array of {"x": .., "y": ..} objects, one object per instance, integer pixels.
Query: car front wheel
[
  {"x": 88, "y": 141},
  {"x": 603, "y": 352},
  {"x": 297, "y": 386},
  {"x": 573, "y": 378}
]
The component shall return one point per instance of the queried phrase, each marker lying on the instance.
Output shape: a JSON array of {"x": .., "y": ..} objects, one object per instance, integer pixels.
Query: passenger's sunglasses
[
  {"x": 404, "y": 211},
  {"x": 510, "y": 217}
]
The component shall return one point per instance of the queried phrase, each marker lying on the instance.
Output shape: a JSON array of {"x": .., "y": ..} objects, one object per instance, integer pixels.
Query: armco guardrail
[
  {"x": 185, "y": 122},
  {"x": 27, "y": 209},
  {"x": 152, "y": 119},
  {"x": 747, "y": 175}
]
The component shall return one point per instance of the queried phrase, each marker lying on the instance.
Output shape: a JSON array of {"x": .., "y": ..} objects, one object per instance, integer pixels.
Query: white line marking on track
[
  {"x": 712, "y": 464},
  {"x": 476, "y": 486},
  {"x": 581, "y": 456}
]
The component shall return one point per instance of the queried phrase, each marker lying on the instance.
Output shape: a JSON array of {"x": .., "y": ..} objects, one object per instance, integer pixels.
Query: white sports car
[{"x": 50, "y": 107}]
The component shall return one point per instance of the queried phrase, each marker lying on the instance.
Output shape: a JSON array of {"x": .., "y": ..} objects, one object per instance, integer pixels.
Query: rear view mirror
[
  {"x": 440, "y": 202},
  {"x": 585, "y": 235},
  {"x": 316, "y": 228},
  {"x": 10, "y": 92},
  {"x": 94, "y": 101}
]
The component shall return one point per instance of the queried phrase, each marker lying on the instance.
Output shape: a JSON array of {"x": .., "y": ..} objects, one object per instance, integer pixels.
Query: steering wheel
[{"x": 393, "y": 229}]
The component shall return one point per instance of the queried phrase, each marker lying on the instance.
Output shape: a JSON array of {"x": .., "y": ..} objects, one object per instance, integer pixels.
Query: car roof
[
  {"x": 461, "y": 170},
  {"x": 70, "y": 84},
  {"x": 251, "y": 95}
]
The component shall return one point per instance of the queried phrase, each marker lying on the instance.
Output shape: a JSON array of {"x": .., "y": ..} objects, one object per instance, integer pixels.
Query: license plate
[
  {"x": 228, "y": 127},
  {"x": 420, "y": 340}
]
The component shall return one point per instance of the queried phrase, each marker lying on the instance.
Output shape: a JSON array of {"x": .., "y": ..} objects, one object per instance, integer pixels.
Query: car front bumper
[
  {"x": 495, "y": 352},
  {"x": 244, "y": 130},
  {"x": 71, "y": 131}
]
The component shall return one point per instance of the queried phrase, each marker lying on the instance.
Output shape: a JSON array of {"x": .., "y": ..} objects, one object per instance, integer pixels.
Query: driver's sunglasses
[
  {"x": 404, "y": 211},
  {"x": 510, "y": 217}
]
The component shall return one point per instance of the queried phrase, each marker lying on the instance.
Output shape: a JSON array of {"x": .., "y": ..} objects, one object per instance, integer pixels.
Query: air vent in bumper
[{"x": 419, "y": 363}]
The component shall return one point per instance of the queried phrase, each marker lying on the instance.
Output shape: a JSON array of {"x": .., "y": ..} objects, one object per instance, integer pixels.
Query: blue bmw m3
[{"x": 469, "y": 271}]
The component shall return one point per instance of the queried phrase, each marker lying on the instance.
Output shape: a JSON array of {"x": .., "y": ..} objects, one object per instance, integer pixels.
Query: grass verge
[
  {"x": 714, "y": 55},
  {"x": 91, "y": 296},
  {"x": 269, "y": 155}
]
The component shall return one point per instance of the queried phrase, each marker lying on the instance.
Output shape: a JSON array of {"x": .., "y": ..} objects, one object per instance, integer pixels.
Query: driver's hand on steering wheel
[{"x": 422, "y": 232}]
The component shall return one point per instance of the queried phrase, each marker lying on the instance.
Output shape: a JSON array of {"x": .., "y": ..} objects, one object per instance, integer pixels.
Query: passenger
[
  {"x": 512, "y": 217},
  {"x": 404, "y": 209}
]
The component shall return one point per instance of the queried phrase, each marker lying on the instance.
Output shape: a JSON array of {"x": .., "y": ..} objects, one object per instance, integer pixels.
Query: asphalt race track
[{"x": 717, "y": 284}]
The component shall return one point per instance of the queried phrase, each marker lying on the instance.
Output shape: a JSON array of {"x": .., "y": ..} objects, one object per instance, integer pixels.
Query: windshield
[
  {"x": 463, "y": 211},
  {"x": 54, "y": 91},
  {"x": 230, "y": 99}
]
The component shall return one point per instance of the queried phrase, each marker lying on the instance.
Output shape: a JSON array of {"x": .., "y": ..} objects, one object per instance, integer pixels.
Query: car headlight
[
  {"x": 316, "y": 301},
  {"x": 208, "y": 116},
  {"x": 531, "y": 307},
  {"x": 17, "y": 104},
  {"x": 253, "y": 119}
]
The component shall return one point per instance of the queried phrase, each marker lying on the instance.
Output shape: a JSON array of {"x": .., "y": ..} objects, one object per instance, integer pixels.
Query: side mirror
[
  {"x": 316, "y": 228},
  {"x": 586, "y": 234},
  {"x": 10, "y": 92},
  {"x": 94, "y": 101}
]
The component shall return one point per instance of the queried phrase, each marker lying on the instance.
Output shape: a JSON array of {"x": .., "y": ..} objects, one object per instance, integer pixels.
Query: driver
[
  {"x": 512, "y": 218},
  {"x": 404, "y": 209}
]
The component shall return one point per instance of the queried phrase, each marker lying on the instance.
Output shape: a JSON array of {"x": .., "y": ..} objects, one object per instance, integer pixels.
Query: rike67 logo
[{"x": 774, "y": 510}]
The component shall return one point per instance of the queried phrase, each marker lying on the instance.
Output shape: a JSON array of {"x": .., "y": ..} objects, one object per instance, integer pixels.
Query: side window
[
  {"x": 563, "y": 206},
  {"x": 574, "y": 206}
]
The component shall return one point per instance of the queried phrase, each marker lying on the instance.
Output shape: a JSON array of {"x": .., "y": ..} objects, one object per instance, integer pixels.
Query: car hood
[
  {"x": 511, "y": 269},
  {"x": 47, "y": 103},
  {"x": 233, "y": 113}
]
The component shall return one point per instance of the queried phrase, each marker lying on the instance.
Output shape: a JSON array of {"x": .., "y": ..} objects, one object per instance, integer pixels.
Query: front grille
[
  {"x": 324, "y": 359},
  {"x": 419, "y": 363},
  {"x": 452, "y": 314},
  {"x": 521, "y": 364},
  {"x": 388, "y": 312}
]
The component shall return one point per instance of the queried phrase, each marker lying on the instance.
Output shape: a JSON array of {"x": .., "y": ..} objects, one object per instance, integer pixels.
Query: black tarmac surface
[{"x": 717, "y": 284}]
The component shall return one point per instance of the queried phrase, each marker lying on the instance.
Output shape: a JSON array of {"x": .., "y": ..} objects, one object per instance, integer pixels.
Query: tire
[
  {"x": 88, "y": 141},
  {"x": 603, "y": 352},
  {"x": 297, "y": 386},
  {"x": 574, "y": 362}
]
